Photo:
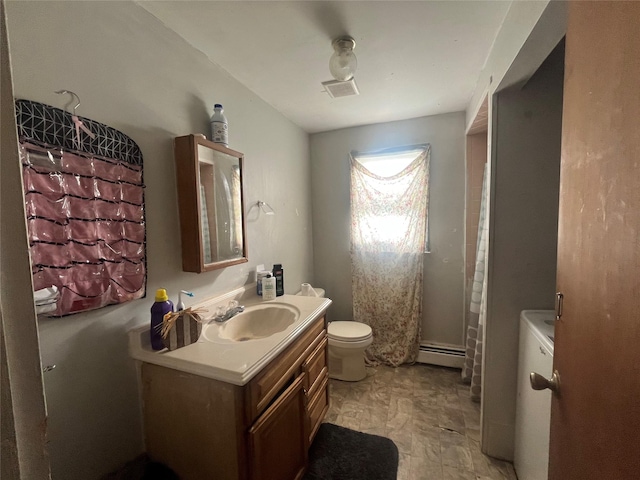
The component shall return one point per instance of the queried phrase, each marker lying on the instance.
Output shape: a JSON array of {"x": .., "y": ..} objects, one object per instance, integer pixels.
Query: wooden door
[
  {"x": 595, "y": 419},
  {"x": 277, "y": 447}
]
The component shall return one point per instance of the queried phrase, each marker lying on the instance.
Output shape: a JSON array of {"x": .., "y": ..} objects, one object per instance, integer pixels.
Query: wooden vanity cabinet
[
  {"x": 209, "y": 429},
  {"x": 277, "y": 441},
  {"x": 316, "y": 377}
]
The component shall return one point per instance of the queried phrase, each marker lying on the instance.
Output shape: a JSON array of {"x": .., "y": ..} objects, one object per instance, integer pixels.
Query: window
[{"x": 389, "y": 199}]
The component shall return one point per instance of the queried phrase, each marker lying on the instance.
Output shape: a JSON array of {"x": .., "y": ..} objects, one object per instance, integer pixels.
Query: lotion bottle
[
  {"x": 260, "y": 276},
  {"x": 269, "y": 287}
]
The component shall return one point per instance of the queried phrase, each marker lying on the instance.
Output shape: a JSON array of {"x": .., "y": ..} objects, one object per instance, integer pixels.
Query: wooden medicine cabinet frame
[{"x": 199, "y": 165}]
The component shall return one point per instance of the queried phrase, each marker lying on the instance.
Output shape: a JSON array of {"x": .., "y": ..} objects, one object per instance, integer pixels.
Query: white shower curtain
[
  {"x": 388, "y": 240},
  {"x": 472, "y": 370}
]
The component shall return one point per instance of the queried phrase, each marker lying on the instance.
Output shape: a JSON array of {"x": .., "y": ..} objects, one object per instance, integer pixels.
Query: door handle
[
  {"x": 559, "y": 301},
  {"x": 538, "y": 382}
]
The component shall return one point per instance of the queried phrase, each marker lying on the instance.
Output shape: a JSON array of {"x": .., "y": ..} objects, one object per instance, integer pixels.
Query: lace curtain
[{"x": 388, "y": 241}]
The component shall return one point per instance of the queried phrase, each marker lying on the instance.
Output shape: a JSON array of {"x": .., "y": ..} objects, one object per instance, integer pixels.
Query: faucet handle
[{"x": 232, "y": 304}]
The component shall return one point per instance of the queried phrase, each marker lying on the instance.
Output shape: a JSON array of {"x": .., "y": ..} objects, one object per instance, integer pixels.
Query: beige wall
[
  {"x": 23, "y": 451},
  {"x": 136, "y": 75},
  {"x": 528, "y": 34},
  {"x": 520, "y": 21},
  {"x": 443, "y": 269},
  {"x": 523, "y": 235}
]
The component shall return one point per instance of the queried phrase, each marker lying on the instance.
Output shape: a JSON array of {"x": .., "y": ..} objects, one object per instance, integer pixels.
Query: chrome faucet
[{"x": 223, "y": 314}]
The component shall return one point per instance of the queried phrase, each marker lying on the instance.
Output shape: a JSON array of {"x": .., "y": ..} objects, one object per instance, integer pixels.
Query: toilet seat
[{"x": 349, "y": 332}]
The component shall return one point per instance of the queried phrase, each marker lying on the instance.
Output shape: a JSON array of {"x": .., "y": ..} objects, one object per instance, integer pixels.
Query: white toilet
[{"x": 347, "y": 342}]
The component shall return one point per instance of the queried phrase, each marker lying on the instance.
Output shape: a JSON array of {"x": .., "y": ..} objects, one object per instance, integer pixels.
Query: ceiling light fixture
[
  {"x": 342, "y": 65},
  {"x": 343, "y": 62}
]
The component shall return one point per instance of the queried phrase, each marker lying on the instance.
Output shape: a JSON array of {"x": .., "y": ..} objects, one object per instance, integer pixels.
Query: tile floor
[{"x": 427, "y": 412}]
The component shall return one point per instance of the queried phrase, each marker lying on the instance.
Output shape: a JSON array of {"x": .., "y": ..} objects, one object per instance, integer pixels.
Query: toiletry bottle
[
  {"x": 219, "y": 126},
  {"x": 278, "y": 272},
  {"x": 259, "y": 277},
  {"x": 180, "y": 304},
  {"x": 159, "y": 309},
  {"x": 268, "y": 287}
]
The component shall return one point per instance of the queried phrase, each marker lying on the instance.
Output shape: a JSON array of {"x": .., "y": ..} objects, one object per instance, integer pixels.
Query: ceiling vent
[{"x": 336, "y": 89}]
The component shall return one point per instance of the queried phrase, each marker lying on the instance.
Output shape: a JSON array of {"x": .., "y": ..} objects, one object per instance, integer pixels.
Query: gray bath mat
[{"x": 339, "y": 453}]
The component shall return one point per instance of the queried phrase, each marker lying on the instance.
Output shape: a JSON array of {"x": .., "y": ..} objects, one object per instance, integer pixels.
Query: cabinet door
[
  {"x": 210, "y": 202},
  {"x": 277, "y": 438}
]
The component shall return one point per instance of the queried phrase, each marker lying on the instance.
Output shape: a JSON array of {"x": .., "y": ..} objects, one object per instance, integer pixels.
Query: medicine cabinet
[{"x": 211, "y": 205}]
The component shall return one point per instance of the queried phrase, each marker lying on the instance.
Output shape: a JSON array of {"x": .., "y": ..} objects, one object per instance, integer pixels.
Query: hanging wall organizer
[{"x": 84, "y": 196}]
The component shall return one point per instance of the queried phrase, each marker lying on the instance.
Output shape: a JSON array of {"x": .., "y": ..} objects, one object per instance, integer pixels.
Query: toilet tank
[{"x": 319, "y": 291}]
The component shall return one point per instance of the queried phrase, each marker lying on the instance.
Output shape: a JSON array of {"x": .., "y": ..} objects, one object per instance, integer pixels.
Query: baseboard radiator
[{"x": 441, "y": 355}]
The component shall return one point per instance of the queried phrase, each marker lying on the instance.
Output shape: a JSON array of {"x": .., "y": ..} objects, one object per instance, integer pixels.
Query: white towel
[
  {"x": 46, "y": 302},
  {"x": 41, "y": 309},
  {"x": 46, "y": 296}
]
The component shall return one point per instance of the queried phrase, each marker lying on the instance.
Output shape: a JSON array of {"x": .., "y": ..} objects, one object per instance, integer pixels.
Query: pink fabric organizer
[
  {"x": 85, "y": 218},
  {"x": 84, "y": 195}
]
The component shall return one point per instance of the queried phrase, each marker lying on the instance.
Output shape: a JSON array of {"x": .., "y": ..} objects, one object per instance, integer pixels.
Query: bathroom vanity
[{"x": 238, "y": 409}]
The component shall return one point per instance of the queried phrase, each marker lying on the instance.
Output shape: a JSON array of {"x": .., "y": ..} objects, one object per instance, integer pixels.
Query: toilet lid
[{"x": 348, "y": 331}]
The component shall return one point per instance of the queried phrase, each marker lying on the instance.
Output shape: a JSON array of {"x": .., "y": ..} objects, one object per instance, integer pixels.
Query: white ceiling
[{"x": 415, "y": 58}]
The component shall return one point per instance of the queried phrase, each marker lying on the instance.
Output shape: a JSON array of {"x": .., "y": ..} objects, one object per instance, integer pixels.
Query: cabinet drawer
[
  {"x": 266, "y": 385},
  {"x": 317, "y": 409},
  {"x": 314, "y": 367}
]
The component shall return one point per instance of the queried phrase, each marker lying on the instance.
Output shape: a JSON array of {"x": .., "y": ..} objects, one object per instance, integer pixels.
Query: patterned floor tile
[{"x": 427, "y": 412}]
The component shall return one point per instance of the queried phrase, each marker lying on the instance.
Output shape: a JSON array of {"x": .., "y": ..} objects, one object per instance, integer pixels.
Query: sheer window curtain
[{"x": 389, "y": 200}]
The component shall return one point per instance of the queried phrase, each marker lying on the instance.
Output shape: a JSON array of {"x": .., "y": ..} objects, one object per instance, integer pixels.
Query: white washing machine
[{"x": 533, "y": 407}]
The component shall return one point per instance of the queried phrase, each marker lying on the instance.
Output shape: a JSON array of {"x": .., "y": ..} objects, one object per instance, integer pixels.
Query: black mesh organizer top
[{"x": 46, "y": 125}]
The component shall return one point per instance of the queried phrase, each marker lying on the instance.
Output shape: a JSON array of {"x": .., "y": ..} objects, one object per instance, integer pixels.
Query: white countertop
[{"x": 225, "y": 360}]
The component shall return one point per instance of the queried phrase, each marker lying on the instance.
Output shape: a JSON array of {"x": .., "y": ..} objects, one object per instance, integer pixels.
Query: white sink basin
[
  {"x": 232, "y": 361},
  {"x": 259, "y": 321}
]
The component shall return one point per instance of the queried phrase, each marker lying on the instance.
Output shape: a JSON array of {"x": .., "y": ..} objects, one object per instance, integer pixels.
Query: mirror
[{"x": 211, "y": 204}]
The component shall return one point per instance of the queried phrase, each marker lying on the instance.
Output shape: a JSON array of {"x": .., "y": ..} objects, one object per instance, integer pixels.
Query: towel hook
[
  {"x": 73, "y": 95},
  {"x": 265, "y": 207}
]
